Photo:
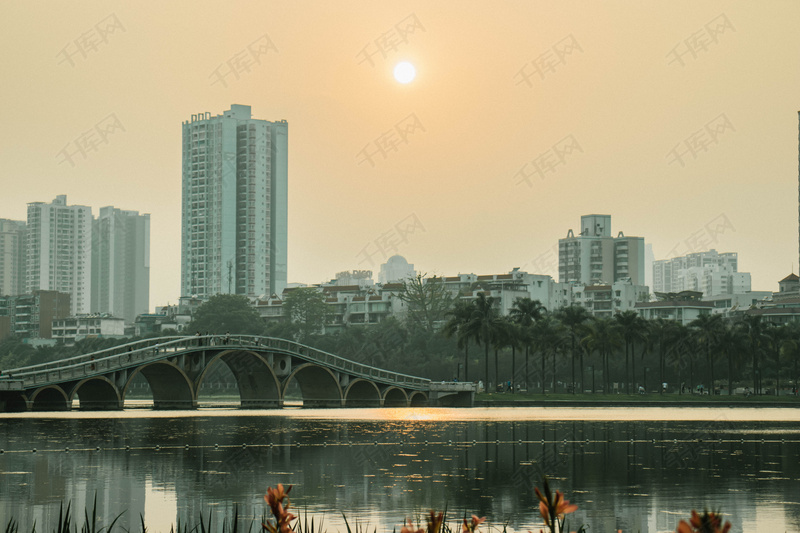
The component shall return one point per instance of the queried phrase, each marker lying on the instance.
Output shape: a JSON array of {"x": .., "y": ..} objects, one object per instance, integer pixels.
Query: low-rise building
[
  {"x": 683, "y": 307},
  {"x": 608, "y": 300},
  {"x": 31, "y": 315},
  {"x": 75, "y": 328}
]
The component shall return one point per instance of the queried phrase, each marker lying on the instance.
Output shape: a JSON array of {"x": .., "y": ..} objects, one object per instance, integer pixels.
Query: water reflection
[{"x": 631, "y": 475}]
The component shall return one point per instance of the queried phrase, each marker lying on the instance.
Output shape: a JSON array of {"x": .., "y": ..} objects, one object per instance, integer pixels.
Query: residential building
[
  {"x": 121, "y": 263},
  {"x": 683, "y": 307},
  {"x": 711, "y": 273},
  {"x": 730, "y": 304},
  {"x": 12, "y": 257},
  {"x": 507, "y": 288},
  {"x": 594, "y": 257},
  {"x": 75, "y": 328},
  {"x": 58, "y": 256},
  {"x": 31, "y": 315},
  {"x": 608, "y": 300},
  {"x": 235, "y": 200}
]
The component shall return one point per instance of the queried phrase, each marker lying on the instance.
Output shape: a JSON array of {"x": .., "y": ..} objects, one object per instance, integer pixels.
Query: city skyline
[{"x": 521, "y": 118}]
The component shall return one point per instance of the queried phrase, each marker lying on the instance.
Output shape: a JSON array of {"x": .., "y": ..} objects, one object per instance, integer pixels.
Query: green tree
[
  {"x": 427, "y": 301},
  {"x": 603, "y": 336},
  {"x": 547, "y": 337},
  {"x": 730, "y": 340},
  {"x": 306, "y": 308},
  {"x": 706, "y": 330},
  {"x": 227, "y": 313},
  {"x": 754, "y": 327},
  {"x": 632, "y": 328},
  {"x": 525, "y": 312},
  {"x": 574, "y": 318},
  {"x": 484, "y": 326},
  {"x": 458, "y": 324}
]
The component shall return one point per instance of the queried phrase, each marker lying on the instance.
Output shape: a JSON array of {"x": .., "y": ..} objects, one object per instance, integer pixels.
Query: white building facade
[
  {"x": 594, "y": 257},
  {"x": 235, "y": 201},
  {"x": 58, "y": 256},
  {"x": 711, "y": 273},
  {"x": 12, "y": 257}
]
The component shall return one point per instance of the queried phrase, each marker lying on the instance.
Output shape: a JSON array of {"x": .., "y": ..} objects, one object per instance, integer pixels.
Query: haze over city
[{"x": 526, "y": 116}]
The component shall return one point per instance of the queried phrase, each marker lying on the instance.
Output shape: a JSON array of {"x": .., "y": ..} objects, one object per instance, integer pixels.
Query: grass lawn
[{"x": 643, "y": 398}]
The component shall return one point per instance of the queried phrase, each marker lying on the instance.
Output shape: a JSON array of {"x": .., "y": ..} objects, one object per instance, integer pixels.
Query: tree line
[{"x": 531, "y": 349}]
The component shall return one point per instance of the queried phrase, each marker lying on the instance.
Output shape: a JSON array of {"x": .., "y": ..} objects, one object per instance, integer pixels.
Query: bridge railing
[{"x": 131, "y": 354}]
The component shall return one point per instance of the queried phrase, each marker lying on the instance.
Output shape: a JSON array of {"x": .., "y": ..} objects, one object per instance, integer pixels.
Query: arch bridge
[{"x": 265, "y": 370}]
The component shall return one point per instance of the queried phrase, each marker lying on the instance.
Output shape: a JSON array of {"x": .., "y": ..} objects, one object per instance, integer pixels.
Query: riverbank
[{"x": 630, "y": 400}]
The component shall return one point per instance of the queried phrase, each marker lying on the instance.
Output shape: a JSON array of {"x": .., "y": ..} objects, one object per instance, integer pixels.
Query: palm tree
[
  {"x": 665, "y": 334},
  {"x": 776, "y": 337},
  {"x": 730, "y": 340},
  {"x": 754, "y": 327},
  {"x": 793, "y": 347},
  {"x": 546, "y": 335},
  {"x": 604, "y": 336},
  {"x": 484, "y": 325},
  {"x": 632, "y": 327},
  {"x": 458, "y": 324},
  {"x": 525, "y": 312},
  {"x": 706, "y": 330},
  {"x": 512, "y": 336},
  {"x": 574, "y": 318}
]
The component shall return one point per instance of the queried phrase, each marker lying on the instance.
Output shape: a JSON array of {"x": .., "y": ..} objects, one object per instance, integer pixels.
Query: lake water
[{"x": 639, "y": 469}]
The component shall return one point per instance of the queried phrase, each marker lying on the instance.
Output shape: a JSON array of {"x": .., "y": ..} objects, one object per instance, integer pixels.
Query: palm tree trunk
[
  {"x": 627, "y": 381},
  {"x": 466, "y": 361},
  {"x": 486, "y": 362},
  {"x": 513, "y": 368},
  {"x": 527, "y": 373},
  {"x": 544, "y": 358},
  {"x": 777, "y": 369},
  {"x": 581, "y": 363},
  {"x": 573, "y": 363},
  {"x": 496, "y": 373},
  {"x": 730, "y": 374},
  {"x": 554, "y": 371}
]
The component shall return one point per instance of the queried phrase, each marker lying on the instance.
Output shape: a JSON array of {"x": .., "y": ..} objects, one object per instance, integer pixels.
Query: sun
[{"x": 404, "y": 72}]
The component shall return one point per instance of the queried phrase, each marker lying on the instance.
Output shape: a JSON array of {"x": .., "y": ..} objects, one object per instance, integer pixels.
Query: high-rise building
[
  {"x": 121, "y": 263},
  {"x": 594, "y": 257},
  {"x": 711, "y": 273},
  {"x": 12, "y": 257},
  {"x": 235, "y": 201},
  {"x": 59, "y": 256}
]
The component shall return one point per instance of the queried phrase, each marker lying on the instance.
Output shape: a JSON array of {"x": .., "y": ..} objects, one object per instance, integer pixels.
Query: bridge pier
[{"x": 452, "y": 394}]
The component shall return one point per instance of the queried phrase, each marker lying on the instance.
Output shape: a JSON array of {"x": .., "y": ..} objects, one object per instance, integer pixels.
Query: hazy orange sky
[{"x": 587, "y": 99}]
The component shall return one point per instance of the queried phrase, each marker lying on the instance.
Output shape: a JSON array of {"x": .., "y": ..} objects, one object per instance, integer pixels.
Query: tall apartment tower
[
  {"x": 235, "y": 201},
  {"x": 121, "y": 263},
  {"x": 12, "y": 257},
  {"x": 595, "y": 257},
  {"x": 59, "y": 256}
]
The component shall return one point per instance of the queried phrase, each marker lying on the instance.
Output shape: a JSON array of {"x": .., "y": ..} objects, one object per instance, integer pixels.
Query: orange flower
[
  {"x": 275, "y": 499},
  {"x": 709, "y": 522},
  {"x": 472, "y": 527}
]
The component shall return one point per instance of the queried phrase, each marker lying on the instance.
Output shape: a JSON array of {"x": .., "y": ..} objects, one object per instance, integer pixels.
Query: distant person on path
[{"x": 227, "y": 337}]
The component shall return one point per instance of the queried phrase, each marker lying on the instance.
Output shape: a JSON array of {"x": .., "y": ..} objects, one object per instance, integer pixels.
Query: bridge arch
[
  {"x": 318, "y": 385},
  {"x": 171, "y": 387},
  {"x": 362, "y": 393},
  {"x": 395, "y": 397},
  {"x": 258, "y": 385},
  {"x": 50, "y": 398},
  {"x": 96, "y": 393},
  {"x": 418, "y": 399}
]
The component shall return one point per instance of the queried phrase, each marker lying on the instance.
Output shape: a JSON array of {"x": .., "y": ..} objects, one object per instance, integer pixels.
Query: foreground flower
[
  {"x": 275, "y": 499},
  {"x": 472, "y": 527},
  {"x": 553, "y": 507},
  {"x": 707, "y": 523}
]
